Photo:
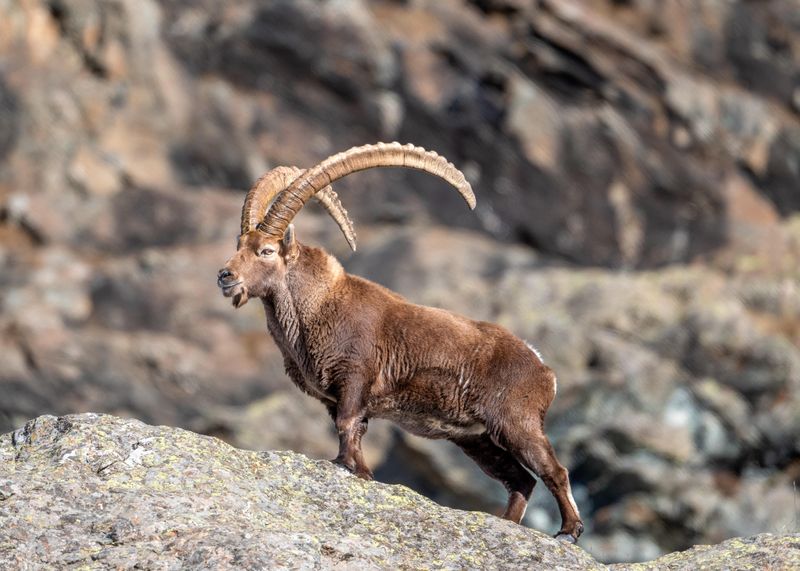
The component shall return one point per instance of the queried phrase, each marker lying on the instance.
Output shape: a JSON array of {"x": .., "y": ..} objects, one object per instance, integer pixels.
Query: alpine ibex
[{"x": 366, "y": 352}]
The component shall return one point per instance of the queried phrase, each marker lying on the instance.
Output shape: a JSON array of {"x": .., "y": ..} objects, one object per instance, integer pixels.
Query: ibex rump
[{"x": 366, "y": 352}]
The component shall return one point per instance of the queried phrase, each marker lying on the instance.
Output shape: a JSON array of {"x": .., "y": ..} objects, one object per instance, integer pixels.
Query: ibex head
[
  {"x": 257, "y": 266},
  {"x": 267, "y": 244},
  {"x": 260, "y": 259}
]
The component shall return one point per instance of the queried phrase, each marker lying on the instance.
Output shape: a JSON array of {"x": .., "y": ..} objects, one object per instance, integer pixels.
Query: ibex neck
[
  {"x": 295, "y": 307},
  {"x": 312, "y": 280},
  {"x": 285, "y": 326}
]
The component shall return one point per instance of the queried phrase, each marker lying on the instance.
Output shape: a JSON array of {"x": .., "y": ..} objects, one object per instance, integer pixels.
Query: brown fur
[{"x": 366, "y": 353}]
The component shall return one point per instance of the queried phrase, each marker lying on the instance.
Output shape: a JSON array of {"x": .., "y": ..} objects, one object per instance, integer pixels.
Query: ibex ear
[{"x": 288, "y": 243}]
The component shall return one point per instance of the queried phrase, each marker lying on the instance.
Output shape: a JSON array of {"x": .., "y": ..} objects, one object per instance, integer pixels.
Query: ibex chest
[
  {"x": 298, "y": 362},
  {"x": 310, "y": 383}
]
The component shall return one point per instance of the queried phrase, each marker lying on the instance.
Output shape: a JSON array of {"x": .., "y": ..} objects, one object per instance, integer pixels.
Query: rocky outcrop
[
  {"x": 617, "y": 134},
  {"x": 99, "y": 492}
]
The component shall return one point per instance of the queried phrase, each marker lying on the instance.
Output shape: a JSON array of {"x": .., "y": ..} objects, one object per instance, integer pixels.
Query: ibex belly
[
  {"x": 429, "y": 405},
  {"x": 432, "y": 427}
]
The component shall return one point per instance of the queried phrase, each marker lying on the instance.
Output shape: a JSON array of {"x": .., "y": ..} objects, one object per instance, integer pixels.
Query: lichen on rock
[
  {"x": 97, "y": 491},
  {"x": 94, "y": 491}
]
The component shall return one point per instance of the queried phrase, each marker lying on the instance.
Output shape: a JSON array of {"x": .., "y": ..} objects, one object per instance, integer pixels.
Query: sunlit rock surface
[
  {"x": 96, "y": 492},
  {"x": 99, "y": 492}
]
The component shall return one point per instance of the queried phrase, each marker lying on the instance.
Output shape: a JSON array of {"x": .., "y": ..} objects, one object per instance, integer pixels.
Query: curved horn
[
  {"x": 272, "y": 183},
  {"x": 289, "y": 202},
  {"x": 328, "y": 198}
]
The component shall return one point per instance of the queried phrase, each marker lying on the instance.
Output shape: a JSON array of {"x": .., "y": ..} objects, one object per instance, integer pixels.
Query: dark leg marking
[{"x": 502, "y": 466}]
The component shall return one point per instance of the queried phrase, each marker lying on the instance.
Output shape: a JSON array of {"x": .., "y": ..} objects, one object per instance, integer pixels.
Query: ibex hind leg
[
  {"x": 528, "y": 443},
  {"x": 502, "y": 466}
]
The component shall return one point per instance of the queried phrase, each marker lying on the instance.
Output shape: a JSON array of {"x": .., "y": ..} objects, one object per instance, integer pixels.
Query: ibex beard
[{"x": 366, "y": 352}]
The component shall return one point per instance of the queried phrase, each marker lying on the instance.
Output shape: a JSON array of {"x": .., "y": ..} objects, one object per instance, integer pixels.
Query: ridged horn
[
  {"x": 291, "y": 201},
  {"x": 272, "y": 183},
  {"x": 328, "y": 198}
]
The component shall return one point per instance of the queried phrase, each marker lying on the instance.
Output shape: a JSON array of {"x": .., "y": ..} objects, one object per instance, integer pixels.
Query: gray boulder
[
  {"x": 98, "y": 492},
  {"x": 101, "y": 492}
]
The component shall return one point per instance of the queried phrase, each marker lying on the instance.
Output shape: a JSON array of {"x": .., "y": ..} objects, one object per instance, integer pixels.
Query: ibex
[{"x": 366, "y": 352}]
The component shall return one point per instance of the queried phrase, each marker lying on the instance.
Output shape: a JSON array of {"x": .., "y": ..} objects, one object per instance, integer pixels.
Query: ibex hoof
[
  {"x": 567, "y": 538},
  {"x": 361, "y": 471},
  {"x": 570, "y": 533},
  {"x": 364, "y": 474},
  {"x": 342, "y": 463}
]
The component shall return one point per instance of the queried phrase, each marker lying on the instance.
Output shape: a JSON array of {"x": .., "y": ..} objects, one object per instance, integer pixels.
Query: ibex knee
[{"x": 347, "y": 424}]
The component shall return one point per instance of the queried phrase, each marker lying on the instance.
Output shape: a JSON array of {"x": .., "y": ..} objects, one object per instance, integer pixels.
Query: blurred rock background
[{"x": 637, "y": 167}]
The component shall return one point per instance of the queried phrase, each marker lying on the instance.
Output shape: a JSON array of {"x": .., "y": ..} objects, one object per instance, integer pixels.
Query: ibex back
[{"x": 366, "y": 352}]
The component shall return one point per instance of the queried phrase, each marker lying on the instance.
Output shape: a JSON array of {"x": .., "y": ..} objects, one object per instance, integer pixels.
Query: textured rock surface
[
  {"x": 758, "y": 552},
  {"x": 96, "y": 492},
  {"x": 100, "y": 492}
]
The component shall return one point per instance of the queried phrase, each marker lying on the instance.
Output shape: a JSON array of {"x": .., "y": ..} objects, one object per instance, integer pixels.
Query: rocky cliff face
[
  {"x": 636, "y": 167},
  {"x": 99, "y": 492},
  {"x": 622, "y": 134}
]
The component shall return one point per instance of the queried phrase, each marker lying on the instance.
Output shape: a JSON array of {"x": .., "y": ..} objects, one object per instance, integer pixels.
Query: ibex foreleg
[{"x": 351, "y": 425}]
